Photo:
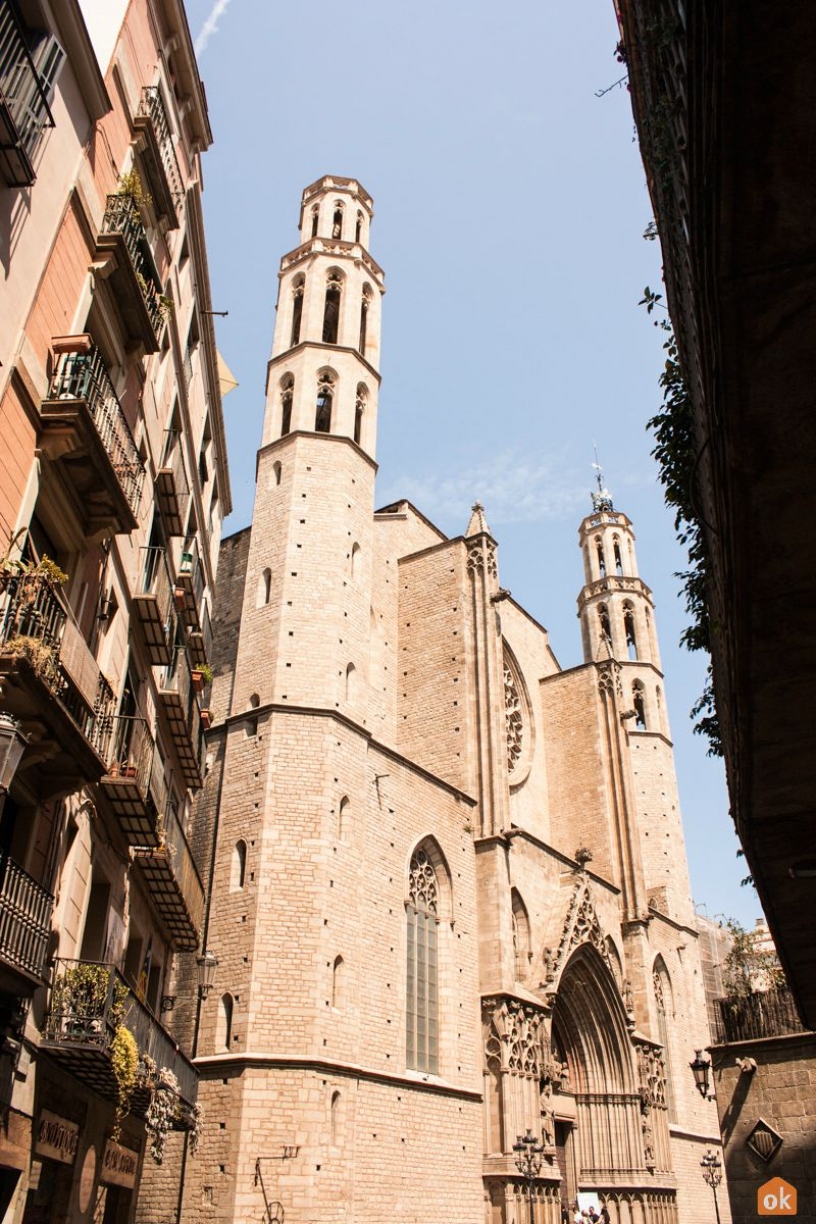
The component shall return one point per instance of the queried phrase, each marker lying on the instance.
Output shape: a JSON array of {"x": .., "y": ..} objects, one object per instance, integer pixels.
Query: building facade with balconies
[{"x": 113, "y": 484}]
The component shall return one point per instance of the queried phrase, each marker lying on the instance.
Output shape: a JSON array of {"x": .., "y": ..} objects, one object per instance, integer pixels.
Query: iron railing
[
  {"x": 84, "y": 376},
  {"x": 24, "y": 97},
  {"x": 173, "y": 460},
  {"x": 25, "y": 918},
  {"x": 88, "y": 1002},
  {"x": 122, "y": 217},
  {"x": 191, "y": 569},
  {"x": 156, "y": 581},
  {"x": 764, "y": 1013},
  {"x": 183, "y": 864},
  {"x": 131, "y": 751},
  {"x": 152, "y": 106},
  {"x": 177, "y": 678}
]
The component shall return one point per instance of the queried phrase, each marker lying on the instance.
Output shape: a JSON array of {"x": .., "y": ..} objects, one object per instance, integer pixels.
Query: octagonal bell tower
[{"x": 323, "y": 376}]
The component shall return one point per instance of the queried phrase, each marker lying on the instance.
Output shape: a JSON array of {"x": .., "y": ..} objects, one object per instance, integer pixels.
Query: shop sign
[
  {"x": 119, "y": 1165},
  {"x": 56, "y": 1138}
]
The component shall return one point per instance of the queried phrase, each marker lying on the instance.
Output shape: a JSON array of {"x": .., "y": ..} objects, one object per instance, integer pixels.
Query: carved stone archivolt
[{"x": 581, "y": 925}]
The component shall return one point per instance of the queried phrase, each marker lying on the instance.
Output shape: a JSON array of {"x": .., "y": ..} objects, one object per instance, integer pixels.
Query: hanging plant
[
  {"x": 130, "y": 184},
  {"x": 161, "y": 1112},
  {"x": 124, "y": 1055},
  {"x": 197, "y": 1129}
]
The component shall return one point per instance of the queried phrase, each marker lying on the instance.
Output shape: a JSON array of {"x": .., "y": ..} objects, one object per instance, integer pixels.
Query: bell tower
[
  {"x": 323, "y": 376},
  {"x": 307, "y": 596}
]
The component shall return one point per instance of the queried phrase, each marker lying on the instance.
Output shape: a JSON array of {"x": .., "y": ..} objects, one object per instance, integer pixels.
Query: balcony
[
  {"x": 25, "y": 922},
  {"x": 192, "y": 609},
  {"x": 180, "y": 708},
  {"x": 200, "y": 640},
  {"x": 173, "y": 485},
  {"x": 24, "y": 108},
  {"x": 134, "y": 785},
  {"x": 124, "y": 248},
  {"x": 159, "y": 156},
  {"x": 52, "y": 684},
  {"x": 153, "y": 605},
  {"x": 85, "y": 431},
  {"x": 88, "y": 1002},
  {"x": 174, "y": 883},
  {"x": 764, "y": 1013}
]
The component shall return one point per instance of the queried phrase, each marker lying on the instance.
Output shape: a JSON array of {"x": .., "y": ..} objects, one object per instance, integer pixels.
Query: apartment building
[{"x": 113, "y": 486}]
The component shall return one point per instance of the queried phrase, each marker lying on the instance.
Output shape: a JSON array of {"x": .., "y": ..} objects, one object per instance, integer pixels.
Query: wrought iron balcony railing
[
  {"x": 34, "y": 626},
  {"x": 25, "y": 87},
  {"x": 153, "y": 604},
  {"x": 122, "y": 219},
  {"x": 151, "y": 108},
  {"x": 183, "y": 717},
  {"x": 81, "y": 375},
  {"x": 173, "y": 484},
  {"x": 175, "y": 885},
  {"x": 25, "y": 919},
  {"x": 88, "y": 1002}
]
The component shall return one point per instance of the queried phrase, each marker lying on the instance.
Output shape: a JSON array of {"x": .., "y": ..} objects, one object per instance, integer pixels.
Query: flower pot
[
  {"x": 206, "y": 719},
  {"x": 180, "y": 598},
  {"x": 197, "y": 678}
]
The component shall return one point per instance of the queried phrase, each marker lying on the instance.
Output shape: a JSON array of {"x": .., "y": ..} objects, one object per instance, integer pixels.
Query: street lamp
[
  {"x": 712, "y": 1174},
  {"x": 12, "y": 746},
  {"x": 529, "y": 1153},
  {"x": 700, "y": 1069},
  {"x": 207, "y": 964}
]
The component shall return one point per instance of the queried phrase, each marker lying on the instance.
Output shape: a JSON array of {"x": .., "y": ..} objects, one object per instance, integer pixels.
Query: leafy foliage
[
  {"x": 749, "y": 968},
  {"x": 675, "y": 452}
]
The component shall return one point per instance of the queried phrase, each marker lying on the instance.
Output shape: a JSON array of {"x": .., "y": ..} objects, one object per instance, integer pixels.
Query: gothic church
[{"x": 449, "y": 900}]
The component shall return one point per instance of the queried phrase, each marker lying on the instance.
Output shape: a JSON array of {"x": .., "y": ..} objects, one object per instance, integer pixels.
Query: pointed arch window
[
  {"x": 335, "y": 1118},
  {"x": 639, "y": 703},
  {"x": 603, "y": 617},
  {"x": 364, "y": 305},
  {"x": 337, "y": 219},
  {"x": 338, "y": 972},
  {"x": 344, "y": 819},
  {"x": 422, "y": 978},
  {"x": 264, "y": 588},
  {"x": 618, "y": 558},
  {"x": 238, "y": 873},
  {"x": 351, "y": 682},
  {"x": 359, "y": 411},
  {"x": 323, "y": 405},
  {"x": 664, "y": 1003},
  {"x": 287, "y": 396},
  {"x": 315, "y": 216},
  {"x": 601, "y": 558},
  {"x": 223, "y": 1036},
  {"x": 521, "y": 935},
  {"x": 297, "y": 310},
  {"x": 331, "y": 308},
  {"x": 358, "y": 229},
  {"x": 629, "y": 630},
  {"x": 355, "y": 560}
]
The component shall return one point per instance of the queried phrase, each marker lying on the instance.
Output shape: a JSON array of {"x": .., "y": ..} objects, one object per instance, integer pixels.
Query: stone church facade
[{"x": 449, "y": 894}]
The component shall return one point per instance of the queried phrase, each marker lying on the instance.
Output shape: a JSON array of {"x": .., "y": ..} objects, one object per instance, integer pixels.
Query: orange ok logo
[{"x": 776, "y": 1198}]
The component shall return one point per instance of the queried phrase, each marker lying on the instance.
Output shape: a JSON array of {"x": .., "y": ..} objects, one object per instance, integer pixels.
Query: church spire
[{"x": 478, "y": 523}]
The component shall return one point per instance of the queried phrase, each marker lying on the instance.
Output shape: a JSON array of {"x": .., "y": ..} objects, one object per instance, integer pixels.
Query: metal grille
[{"x": 25, "y": 918}]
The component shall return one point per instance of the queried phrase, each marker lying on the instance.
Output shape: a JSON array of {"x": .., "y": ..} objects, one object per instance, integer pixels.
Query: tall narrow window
[
  {"x": 422, "y": 981},
  {"x": 351, "y": 682},
  {"x": 323, "y": 405},
  {"x": 629, "y": 630},
  {"x": 355, "y": 553},
  {"x": 640, "y": 705},
  {"x": 223, "y": 1035},
  {"x": 617, "y": 552},
  {"x": 297, "y": 311},
  {"x": 344, "y": 819},
  {"x": 601, "y": 559},
  {"x": 335, "y": 1118},
  {"x": 264, "y": 590},
  {"x": 287, "y": 395},
  {"x": 606, "y": 628},
  {"x": 665, "y": 1008},
  {"x": 315, "y": 215},
  {"x": 364, "y": 305},
  {"x": 359, "y": 412},
  {"x": 338, "y": 969},
  {"x": 331, "y": 309},
  {"x": 238, "y": 874},
  {"x": 521, "y": 935},
  {"x": 337, "y": 220}
]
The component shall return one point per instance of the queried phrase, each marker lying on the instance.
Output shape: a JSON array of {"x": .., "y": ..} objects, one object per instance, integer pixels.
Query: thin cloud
[
  {"x": 514, "y": 487},
  {"x": 210, "y": 26}
]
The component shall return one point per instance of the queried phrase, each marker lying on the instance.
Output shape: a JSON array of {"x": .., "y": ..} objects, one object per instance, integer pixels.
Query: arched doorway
[{"x": 603, "y": 1139}]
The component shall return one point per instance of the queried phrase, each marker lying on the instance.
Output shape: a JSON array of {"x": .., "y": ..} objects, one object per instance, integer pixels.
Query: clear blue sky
[{"x": 510, "y": 205}]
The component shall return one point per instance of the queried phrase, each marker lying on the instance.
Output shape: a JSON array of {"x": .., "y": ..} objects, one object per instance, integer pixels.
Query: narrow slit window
[
  {"x": 364, "y": 305},
  {"x": 323, "y": 404},
  {"x": 629, "y": 630},
  {"x": 601, "y": 560},
  {"x": 297, "y": 312},
  {"x": 287, "y": 395},
  {"x": 618, "y": 558},
  {"x": 640, "y": 706},
  {"x": 315, "y": 216},
  {"x": 331, "y": 309},
  {"x": 337, "y": 221},
  {"x": 606, "y": 628}
]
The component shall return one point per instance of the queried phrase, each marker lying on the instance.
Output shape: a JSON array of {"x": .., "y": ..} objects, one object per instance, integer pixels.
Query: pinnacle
[{"x": 478, "y": 522}]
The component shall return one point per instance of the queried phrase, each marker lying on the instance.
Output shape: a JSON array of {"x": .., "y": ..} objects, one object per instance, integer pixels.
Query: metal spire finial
[{"x": 602, "y": 500}]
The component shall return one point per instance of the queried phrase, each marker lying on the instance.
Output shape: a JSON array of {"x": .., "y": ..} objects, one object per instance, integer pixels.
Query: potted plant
[{"x": 201, "y": 677}]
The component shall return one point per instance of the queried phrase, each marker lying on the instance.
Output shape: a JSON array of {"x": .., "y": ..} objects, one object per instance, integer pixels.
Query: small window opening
[
  {"x": 323, "y": 406},
  {"x": 337, "y": 221},
  {"x": 601, "y": 560},
  {"x": 359, "y": 412},
  {"x": 606, "y": 628},
  {"x": 315, "y": 215},
  {"x": 331, "y": 309},
  {"x": 238, "y": 874},
  {"x": 351, "y": 682},
  {"x": 629, "y": 629},
  {"x": 276, "y": 473},
  {"x": 224, "y": 1035},
  {"x": 358, "y": 230},
  {"x": 287, "y": 395},
  {"x": 297, "y": 312},
  {"x": 355, "y": 560},
  {"x": 640, "y": 706},
  {"x": 344, "y": 819},
  {"x": 335, "y": 1118},
  {"x": 364, "y": 305},
  {"x": 264, "y": 588},
  {"x": 618, "y": 559},
  {"x": 337, "y": 982}
]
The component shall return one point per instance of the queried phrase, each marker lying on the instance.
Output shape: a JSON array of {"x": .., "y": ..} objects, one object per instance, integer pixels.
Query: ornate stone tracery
[
  {"x": 581, "y": 926},
  {"x": 516, "y": 1038},
  {"x": 423, "y": 891},
  {"x": 514, "y": 720},
  {"x": 481, "y": 556}
]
